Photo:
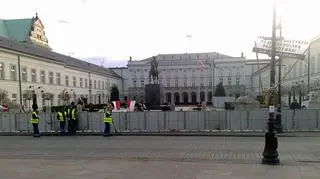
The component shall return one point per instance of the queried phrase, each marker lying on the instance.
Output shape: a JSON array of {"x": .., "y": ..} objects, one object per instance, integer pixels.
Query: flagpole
[{"x": 212, "y": 79}]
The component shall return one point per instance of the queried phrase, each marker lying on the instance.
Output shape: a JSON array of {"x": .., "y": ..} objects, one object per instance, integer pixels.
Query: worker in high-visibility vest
[
  {"x": 72, "y": 112},
  {"x": 107, "y": 123},
  {"x": 35, "y": 119},
  {"x": 67, "y": 114},
  {"x": 61, "y": 116}
]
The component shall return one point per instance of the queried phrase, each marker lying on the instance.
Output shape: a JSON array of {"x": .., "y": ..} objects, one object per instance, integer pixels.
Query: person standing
[
  {"x": 73, "y": 118},
  {"x": 107, "y": 123},
  {"x": 67, "y": 114},
  {"x": 62, "y": 120},
  {"x": 35, "y": 119}
]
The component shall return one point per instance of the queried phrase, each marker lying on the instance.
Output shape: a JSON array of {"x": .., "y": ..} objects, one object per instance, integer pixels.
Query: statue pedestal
[{"x": 154, "y": 96}]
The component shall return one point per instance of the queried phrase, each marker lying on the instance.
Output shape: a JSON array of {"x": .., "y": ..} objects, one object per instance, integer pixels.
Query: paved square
[{"x": 155, "y": 157}]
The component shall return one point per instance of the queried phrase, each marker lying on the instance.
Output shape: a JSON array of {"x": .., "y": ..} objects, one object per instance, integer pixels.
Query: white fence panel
[
  {"x": 96, "y": 121},
  {"x": 7, "y": 122},
  {"x": 175, "y": 121},
  {"x": 222, "y": 119},
  {"x": 288, "y": 119},
  {"x": 152, "y": 121},
  {"x": 202, "y": 120},
  {"x": 213, "y": 120},
  {"x": 133, "y": 121},
  {"x": 237, "y": 120},
  {"x": 258, "y": 120},
  {"x": 192, "y": 121},
  {"x": 306, "y": 120},
  {"x": 163, "y": 117},
  {"x": 23, "y": 122}
]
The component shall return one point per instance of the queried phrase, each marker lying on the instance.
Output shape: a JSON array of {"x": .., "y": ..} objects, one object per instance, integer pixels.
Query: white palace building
[
  {"x": 27, "y": 63},
  {"x": 183, "y": 80}
]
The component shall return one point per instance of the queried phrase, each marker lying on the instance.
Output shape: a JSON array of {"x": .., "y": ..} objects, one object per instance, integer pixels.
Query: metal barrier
[{"x": 156, "y": 121}]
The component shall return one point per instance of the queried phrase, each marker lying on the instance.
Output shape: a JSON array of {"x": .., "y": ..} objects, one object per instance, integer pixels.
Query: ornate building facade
[
  {"x": 28, "y": 64},
  {"x": 189, "y": 78}
]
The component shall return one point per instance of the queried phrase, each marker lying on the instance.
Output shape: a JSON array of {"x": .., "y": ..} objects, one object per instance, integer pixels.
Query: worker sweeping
[{"x": 107, "y": 123}]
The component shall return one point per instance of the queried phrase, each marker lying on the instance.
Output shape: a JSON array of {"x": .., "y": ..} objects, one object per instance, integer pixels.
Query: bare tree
[
  {"x": 27, "y": 95},
  {"x": 3, "y": 96},
  {"x": 47, "y": 96},
  {"x": 5, "y": 100},
  {"x": 64, "y": 96}
]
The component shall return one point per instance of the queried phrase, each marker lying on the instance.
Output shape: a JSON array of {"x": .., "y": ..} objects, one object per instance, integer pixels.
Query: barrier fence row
[{"x": 158, "y": 121}]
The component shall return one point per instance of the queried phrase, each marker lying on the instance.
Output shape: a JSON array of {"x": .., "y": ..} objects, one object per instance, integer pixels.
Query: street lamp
[
  {"x": 270, "y": 153},
  {"x": 278, "y": 116}
]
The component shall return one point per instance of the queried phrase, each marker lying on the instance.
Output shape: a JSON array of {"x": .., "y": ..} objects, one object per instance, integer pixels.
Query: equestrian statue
[{"x": 154, "y": 70}]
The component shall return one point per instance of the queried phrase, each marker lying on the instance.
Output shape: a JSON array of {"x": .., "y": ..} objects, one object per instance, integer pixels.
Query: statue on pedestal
[{"x": 154, "y": 70}]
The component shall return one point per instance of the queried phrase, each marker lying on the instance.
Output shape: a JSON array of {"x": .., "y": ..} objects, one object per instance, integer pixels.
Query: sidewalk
[{"x": 177, "y": 133}]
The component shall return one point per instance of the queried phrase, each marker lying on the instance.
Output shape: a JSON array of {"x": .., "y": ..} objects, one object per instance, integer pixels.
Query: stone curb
[{"x": 213, "y": 134}]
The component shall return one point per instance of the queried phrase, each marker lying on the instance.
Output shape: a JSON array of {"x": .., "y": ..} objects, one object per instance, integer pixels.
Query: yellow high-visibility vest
[
  {"x": 107, "y": 119},
  {"x": 61, "y": 118},
  {"x": 34, "y": 120},
  {"x": 73, "y": 113}
]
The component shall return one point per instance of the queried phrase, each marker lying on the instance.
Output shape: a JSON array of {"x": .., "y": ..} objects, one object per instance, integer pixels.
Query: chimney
[
  {"x": 241, "y": 54},
  {"x": 130, "y": 59}
]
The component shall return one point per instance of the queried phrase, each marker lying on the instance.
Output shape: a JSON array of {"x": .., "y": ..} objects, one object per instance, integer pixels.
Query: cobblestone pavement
[{"x": 155, "y": 157}]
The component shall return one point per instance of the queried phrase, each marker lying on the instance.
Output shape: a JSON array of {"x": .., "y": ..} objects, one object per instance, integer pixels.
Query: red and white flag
[
  {"x": 201, "y": 64},
  {"x": 116, "y": 105}
]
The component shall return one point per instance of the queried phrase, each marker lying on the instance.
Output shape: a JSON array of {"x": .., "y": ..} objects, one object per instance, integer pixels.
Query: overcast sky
[{"x": 117, "y": 29}]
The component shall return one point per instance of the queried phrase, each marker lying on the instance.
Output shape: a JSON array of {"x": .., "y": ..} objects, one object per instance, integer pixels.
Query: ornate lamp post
[{"x": 270, "y": 153}]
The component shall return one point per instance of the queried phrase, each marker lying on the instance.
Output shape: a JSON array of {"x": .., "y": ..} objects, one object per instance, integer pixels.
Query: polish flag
[
  {"x": 116, "y": 105},
  {"x": 201, "y": 64}
]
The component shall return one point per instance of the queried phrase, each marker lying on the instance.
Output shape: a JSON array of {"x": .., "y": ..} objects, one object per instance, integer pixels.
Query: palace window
[
  {"x": 50, "y": 77},
  {"x": 135, "y": 83},
  {"x": 229, "y": 80},
  {"x": 86, "y": 83},
  {"x": 74, "y": 81},
  {"x": 58, "y": 78},
  {"x": 142, "y": 83},
  {"x": 99, "y": 84},
  {"x": 14, "y": 97},
  {"x": 67, "y": 80},
  {"x": 221, "y": 80},
  {"x": 24, "y": 74},
  {"x": 176, "y": 83},
  {"x": 237, "y": 81},
  {"x": 1, "y": 71},
  {"x": 42, "y": 77},
  {"x": 81, "y": 82},
  {"x": 13, "y": 72},
  {"x": 33, "y": 75},
  {"x": 94, "y": 84}
]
